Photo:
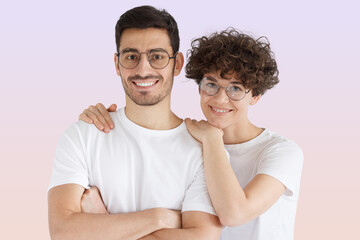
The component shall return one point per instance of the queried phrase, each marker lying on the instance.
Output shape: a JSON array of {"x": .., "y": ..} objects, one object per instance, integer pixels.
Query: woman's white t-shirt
[{"x": 270, "y": 154}]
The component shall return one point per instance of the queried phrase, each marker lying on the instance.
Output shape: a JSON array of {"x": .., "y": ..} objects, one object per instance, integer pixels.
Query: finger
[
  {"x": 188, "y": 122},
  {"x": 83, "y": 117},
  {"x": 95, "y": 189},
  {"x": 96, "y": 121},
  {"x": 112, "y": 108},
  {"x": 105, "y": 114},
  {"x": 100, "y": 116}
]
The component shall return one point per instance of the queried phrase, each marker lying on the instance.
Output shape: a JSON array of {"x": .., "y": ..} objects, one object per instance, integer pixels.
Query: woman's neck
[{"x": 241, "y": 132}]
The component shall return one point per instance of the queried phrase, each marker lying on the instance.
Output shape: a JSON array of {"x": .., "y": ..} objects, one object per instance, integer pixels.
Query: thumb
[
  {"x": 188, "y": 121},
  {"x": 112, "y": 108}
]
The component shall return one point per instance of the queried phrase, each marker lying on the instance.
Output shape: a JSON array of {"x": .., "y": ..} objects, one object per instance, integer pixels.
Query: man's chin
[{"x": 146, "y": 101}]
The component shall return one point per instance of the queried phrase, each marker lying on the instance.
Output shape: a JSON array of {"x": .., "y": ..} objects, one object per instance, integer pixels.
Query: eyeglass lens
[
  {"x": 211, "y": 87},
  {"x": 158, "y": 58}
]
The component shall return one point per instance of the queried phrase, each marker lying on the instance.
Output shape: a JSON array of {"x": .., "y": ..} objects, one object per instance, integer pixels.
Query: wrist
[
  {"x": 158, "y": 214},
  {"x": 215, "y": 135}
]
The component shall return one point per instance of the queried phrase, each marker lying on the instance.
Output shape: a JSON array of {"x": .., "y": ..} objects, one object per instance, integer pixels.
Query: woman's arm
[{"x": 233, "y": 204}]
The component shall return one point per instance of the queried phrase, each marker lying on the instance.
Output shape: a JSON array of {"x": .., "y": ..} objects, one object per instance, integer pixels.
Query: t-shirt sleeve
[
  {"x": 283, "y": 161},
  {"x": 70, "y": 163},
  {"x": 197, "y": 196}
]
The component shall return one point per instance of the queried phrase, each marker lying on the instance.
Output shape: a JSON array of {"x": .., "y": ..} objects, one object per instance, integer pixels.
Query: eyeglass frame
[
  {"x": 218, "y": 89},
  {"x": 147, "y": 55}
]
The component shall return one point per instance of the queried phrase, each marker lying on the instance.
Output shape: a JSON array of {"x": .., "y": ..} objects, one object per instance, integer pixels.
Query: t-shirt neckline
[
  {"x": 133, "y": 126},
  {"x": 249, "y": 143}
]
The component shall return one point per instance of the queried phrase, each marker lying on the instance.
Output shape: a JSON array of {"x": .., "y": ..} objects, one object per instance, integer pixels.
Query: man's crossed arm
[{"x": 67, "y": 221}]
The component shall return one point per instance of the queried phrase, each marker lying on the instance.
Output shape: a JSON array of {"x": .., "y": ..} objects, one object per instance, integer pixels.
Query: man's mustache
[{"x": 138, "y": 77}]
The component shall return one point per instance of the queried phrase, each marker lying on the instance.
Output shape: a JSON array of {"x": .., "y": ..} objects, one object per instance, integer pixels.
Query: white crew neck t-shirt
[
  {"x": 270, "y": 154},
  {"x": 134, "y": 168}
]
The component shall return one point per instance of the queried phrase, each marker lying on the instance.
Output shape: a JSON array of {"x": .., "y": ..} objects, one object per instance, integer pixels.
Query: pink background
[{"x": 57, "y": 58}]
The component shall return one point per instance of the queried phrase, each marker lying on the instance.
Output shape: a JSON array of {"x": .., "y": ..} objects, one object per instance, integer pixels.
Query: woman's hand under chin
[{"x": 202, "y": 130}]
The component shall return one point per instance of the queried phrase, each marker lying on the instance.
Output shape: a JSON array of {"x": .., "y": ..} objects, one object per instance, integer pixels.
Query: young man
[{"x": 149, "y": 164}]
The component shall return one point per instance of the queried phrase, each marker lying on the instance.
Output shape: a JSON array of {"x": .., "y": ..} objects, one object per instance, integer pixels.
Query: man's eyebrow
[
  {"x": 157, "y": 50},
  {"x": 129, "y": 50}
]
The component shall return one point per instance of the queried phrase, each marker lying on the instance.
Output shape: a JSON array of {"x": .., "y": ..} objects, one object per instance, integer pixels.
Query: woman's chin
[{"x": 216, "y": 124}]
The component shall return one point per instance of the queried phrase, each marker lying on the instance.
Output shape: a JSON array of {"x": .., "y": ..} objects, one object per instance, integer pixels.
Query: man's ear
[
  {"x": 116, "y": 61},
  {"x": 179, "y": 62},
  {"x": 254, "y": 100}
]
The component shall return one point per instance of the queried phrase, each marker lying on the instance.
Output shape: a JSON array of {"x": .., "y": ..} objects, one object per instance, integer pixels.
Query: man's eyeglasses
[
  {"x": 158, "y": 58},
  {"x": 235, "y": 91}
]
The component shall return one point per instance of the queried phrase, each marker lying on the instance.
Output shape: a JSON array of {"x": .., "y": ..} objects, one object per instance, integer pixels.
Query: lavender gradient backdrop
[{"x": 56, "y": 58}]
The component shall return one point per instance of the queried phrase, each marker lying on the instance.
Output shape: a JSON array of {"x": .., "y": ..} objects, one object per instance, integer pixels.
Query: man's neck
[{"x": 155, "y": 117}]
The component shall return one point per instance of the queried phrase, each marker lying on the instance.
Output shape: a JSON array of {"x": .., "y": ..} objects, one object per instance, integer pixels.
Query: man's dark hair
[
  {"x": 148, "y": 17},
  {"x": 230, "y": 51}
]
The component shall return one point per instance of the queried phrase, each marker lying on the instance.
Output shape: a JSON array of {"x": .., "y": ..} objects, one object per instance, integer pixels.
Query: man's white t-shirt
[
  {"x": 134, "y": 168},
  {"x": 270, "y": 154}
]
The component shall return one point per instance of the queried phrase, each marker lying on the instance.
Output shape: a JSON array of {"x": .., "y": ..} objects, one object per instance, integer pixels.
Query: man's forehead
[{"x": 145, "y": 39}]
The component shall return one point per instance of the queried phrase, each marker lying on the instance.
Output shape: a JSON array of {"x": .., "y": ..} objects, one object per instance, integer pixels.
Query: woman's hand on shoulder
[
  {"x": 202, "y": 130},
  {"x": 99, "y": 116}
]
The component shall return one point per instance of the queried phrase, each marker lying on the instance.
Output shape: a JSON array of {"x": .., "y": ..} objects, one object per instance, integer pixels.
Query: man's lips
[{"x": 145, "y": 83}]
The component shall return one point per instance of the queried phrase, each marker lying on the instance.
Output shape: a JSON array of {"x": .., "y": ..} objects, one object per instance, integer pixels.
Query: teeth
[
  {"x": 145, "y": 84},
  {"x": 218, "y": 110}
]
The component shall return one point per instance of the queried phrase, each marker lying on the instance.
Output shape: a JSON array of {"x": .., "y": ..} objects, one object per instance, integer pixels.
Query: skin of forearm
[
  {"x": 181, "y": 234},
  {"x": 195, "y": 225},
  {"x": 85, "y": 226},
  {"x": 227, "y": 196}
]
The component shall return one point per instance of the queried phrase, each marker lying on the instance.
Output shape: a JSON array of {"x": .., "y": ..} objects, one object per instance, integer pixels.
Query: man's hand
[
  {"x": 91, "y": 202},
  {"x": 99, "y": 116}
]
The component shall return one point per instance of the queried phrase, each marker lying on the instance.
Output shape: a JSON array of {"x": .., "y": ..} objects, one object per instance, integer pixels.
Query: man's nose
[{"x": 144, "y": 64}]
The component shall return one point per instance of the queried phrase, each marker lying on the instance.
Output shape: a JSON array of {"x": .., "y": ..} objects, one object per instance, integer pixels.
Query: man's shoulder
[
  {"x": 83, "y": 128},
  {"x": 186, "y": 139}
]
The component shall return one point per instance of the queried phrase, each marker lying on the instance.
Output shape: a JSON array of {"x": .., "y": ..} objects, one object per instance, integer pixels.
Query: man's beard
[{"x": 144, "y": 99}]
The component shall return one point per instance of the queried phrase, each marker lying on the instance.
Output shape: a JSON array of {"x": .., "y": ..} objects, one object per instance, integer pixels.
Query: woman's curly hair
[{"x": 230, "y": 52}]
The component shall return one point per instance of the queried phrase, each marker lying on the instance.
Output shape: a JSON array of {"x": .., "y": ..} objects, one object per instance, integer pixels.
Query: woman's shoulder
[{"x": 277, "y": 144}]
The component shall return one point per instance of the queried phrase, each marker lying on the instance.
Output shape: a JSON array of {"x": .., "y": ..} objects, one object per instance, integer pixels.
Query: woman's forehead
[{"x": 227, "y": 76}]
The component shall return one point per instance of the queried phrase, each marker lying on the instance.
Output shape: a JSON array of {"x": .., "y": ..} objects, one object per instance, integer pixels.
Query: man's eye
[
  {"x": 131, "y": 57},
  {"x": 156, "y": 57}
]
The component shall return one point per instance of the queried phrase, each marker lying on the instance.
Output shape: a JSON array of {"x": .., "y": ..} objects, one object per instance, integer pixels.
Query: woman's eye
[
  {"x": 235, "y": 89},
  {"x": 212, "y": 85}
]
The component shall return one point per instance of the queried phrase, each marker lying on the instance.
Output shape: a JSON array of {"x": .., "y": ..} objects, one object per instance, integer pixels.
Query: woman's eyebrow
[
  {"x": 237, "y": 82},
  {"x": 211, "y": 79}
]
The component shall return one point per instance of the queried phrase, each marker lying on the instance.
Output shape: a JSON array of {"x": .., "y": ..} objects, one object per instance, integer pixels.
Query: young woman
[{"x": 255, "y": 192}]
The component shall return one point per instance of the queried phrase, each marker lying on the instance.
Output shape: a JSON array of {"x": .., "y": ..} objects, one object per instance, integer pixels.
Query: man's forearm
[
  {"x": 195, "y": 225},
  {"x": 183, "y": 234},
  {"x": 104, "y": 226}
]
